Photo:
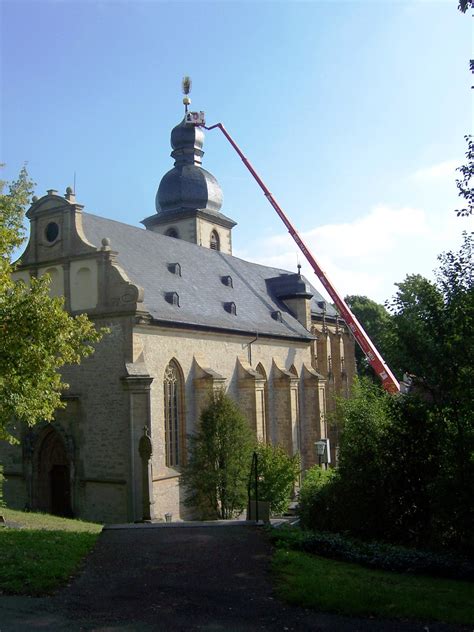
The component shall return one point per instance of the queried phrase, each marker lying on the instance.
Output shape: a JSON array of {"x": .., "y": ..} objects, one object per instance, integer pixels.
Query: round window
[{"x": 52, "y": 232}]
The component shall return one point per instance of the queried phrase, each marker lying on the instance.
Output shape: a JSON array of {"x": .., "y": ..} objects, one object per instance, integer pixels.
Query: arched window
[
  {"x": 215, "y": 243},
  {"x": 174, "y": 423},
  {"x": 172, "y": 232}
]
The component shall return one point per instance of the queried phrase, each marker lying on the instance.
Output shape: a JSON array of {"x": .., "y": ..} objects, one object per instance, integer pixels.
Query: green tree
[
  {"x": 278, "y": 473},
  {"x": 37, "y": 335},
  {"x": 406, "y": 463},
  {"x": 365, "y": 418},
  {"x": 410, "y": 471},
  {"x": 353, "y": 497},
  {"x": 376, "y": 321},
  {"x": 464, "y": 5},
  {"x": 220, "y": 455},
  {"x": 463, "y": 184},
  {"x": 417, "y": 320},
  {"x": 465, "y": 189},
  {"x": 433, "y": 329}
]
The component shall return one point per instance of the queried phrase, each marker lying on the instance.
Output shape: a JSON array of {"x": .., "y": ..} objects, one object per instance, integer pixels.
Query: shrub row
[{"x": 374, "y": 554}]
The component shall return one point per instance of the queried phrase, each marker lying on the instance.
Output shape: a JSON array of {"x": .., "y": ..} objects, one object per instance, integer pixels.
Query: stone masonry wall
[
  {"x": 102, "y": 436},
  {"x": 156, "y": 346},
  {"x": 95, "y": 427}
]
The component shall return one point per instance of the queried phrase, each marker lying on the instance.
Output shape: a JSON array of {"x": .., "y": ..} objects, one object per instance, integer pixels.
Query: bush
[
  {"x": 315, "y": 499},
  {"x": 352, "y": 498},
  {"x": 277, "y": 475},
  {"x": 220, "y": 456},
  {"x": 365, "y": 419},
  {"x": 374, "y": 554},
  {"x": 398, "y": 478}
]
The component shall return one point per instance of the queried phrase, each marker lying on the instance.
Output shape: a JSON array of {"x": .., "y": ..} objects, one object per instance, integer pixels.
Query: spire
[
  {"x": 188, "y": 187},
  {"x": 189, "y": 198},
  {"x": 187, "y": 140}
]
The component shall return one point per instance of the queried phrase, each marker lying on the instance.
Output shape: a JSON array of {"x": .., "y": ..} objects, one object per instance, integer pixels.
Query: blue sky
[{"x": 353, "y": 113}]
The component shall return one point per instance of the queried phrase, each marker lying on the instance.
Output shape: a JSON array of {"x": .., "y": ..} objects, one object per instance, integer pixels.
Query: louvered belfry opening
[{"x": 214, "y": 241}]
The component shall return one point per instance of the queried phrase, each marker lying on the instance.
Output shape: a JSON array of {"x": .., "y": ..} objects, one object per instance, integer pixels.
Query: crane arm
[{"x": 389, "y": 381}]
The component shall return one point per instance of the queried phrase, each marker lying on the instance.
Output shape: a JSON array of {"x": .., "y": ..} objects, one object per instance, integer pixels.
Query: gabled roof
[{"x": 203, "y": 295}]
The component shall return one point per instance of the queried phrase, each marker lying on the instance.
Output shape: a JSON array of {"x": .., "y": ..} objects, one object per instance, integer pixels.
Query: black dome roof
[{"x": 188, "y": 186}]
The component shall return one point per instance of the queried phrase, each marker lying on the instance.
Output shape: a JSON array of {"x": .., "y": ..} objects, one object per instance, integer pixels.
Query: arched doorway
[{"x": 52, "y": 475}]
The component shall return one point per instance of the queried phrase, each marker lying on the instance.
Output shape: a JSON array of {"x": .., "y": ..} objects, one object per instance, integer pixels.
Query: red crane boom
[{"x": 389, "y": 381}]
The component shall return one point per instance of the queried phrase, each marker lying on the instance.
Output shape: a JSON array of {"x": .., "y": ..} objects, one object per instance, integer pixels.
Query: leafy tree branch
[{"x": 37, "y": 336}]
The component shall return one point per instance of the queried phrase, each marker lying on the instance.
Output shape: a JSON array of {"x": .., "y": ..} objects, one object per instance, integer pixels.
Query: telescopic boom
[{"x": 379, "y": 365}]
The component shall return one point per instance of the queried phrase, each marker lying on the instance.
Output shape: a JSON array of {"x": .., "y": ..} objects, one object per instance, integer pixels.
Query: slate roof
[{"x": 204, "y": 299}]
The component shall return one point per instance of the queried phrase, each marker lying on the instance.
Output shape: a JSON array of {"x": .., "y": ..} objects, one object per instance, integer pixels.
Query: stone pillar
[
  {"x": 251, "y": 387},
  {"x": 335, "y": 387},
  {"x": 313, "y": 422},
  {"x": 206, "y": 381},
  {"x": 138, "y": 383},
  {"x": 286, "y": 409}
]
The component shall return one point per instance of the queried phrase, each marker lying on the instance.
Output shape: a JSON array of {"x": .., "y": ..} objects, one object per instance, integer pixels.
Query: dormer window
[
  {"x": 231, "y": 308},
  {"x": 172, "y": 298},
  {"x": 227, "y": 280},
  {"x": 172, "y": 232},
  {"x": 174, "y": 268},
  {"x": 214, "y": 241}
]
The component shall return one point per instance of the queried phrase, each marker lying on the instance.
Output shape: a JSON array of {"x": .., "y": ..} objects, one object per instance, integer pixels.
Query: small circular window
[{"x": 52, "y": 232}]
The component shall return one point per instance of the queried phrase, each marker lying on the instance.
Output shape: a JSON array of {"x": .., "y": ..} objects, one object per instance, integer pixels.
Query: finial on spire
[{"x": 186, "y": 85}]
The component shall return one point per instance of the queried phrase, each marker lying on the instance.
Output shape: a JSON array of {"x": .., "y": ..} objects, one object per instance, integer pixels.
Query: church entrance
[{"x": 53, "y": 484}]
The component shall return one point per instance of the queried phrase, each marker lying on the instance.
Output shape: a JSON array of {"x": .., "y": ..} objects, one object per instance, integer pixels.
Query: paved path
[{"x": 170, "y": 579}]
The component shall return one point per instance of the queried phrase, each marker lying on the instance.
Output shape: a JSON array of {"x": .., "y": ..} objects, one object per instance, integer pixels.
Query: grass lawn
[
  {"x": 44, "y": 553},
  {"x": 333, "y": 586}
]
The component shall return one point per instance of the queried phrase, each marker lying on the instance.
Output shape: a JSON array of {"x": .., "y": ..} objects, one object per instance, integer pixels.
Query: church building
[{"x": 185, "y": 316}]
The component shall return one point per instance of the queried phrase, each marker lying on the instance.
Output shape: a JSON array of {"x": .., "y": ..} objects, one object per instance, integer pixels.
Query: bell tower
[{"x": 189, "y": 198}]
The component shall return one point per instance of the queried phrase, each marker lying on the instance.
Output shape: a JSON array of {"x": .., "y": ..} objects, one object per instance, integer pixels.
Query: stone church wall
[
  {"x": 102, "y": 468},
  {"x": 278, "y": 385},
  {"x": 334, "y": 358},
  {"x": 212, "y": 360},
  {"x": 93, "y": 429}
]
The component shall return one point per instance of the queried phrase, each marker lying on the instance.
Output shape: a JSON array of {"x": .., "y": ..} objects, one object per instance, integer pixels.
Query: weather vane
[{"x": 186, "y": 86}]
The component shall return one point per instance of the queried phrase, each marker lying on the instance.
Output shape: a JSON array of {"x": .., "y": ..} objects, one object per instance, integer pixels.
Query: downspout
[{"x": 250, "y": 347}]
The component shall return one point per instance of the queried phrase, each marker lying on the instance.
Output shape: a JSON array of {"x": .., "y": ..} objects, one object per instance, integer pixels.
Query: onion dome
[{"x": 188, "y": 186}]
